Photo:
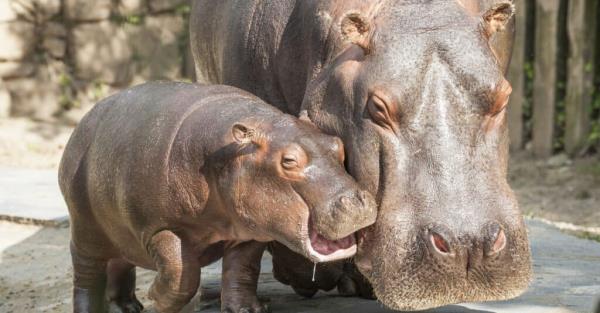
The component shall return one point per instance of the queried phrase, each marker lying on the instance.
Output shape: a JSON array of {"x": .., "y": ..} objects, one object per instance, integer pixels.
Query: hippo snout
[
  {"x": 348, "y": 212},
  {"x": 481, "y": 259}
]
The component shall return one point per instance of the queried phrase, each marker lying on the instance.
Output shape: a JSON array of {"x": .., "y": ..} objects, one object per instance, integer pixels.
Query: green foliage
[
  {"x": 134, "y": 19},
  {"x": 588, "y": 236},
  {"x": 528, "y": 100},
  {"x": 65, "y": 100},
  {"x": 594, "y": 136},
  {"x": 64, "y": 80},
  {"x": 183, "y": 9},
  {"x": 99, "y": 90},
  {"x": 560, "y": 123},
  {"x": 529, "y": 72},
  {"x": 590, "y": 169}
]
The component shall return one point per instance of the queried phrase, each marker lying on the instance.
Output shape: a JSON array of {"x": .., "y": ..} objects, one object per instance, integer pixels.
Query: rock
[
  {"x": 103, "y": 53},
  {"x": 131, "y": 7},
  {"x": 87, "y": 96},
  {"x": 39, "y": 96},
  {"x": 55, "y": 47},
  {"x": 7, "y": 13},
  {"x": 15, "y": 69},
  {"x": 559, "y": 160},
  {"x": 5, "y": 101},
  {"x": 54, "y": 42},
  {"x": 39, "y": 10},
  {"x": 156, "y": 47},
  {"x": 18, "y": 40},
  {"x": 86, "y": 10},
  {"x": 164, "y": 5},
  {"x": 583, "y": 195},
  {"x": 30, "y": 10}
]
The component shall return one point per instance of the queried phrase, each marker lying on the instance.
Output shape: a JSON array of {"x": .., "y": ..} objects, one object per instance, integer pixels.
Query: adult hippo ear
[
  {"x": 303, "y": 116},
  {"x": 498, "y": 24},
  {"x": 497, "y": 17},
  {"x": 354, "y": 28}
]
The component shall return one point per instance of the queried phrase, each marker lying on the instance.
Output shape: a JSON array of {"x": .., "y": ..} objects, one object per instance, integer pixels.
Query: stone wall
[{"x": 58, "y": 57}]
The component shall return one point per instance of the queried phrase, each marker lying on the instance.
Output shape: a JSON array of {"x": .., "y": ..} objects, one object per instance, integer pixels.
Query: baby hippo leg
[
  {"x": 120, "y": 289},
  {"x": 178, "y": 273},
  {"x": 89, "y": 280},
  {"x": 241, "y": 268}
]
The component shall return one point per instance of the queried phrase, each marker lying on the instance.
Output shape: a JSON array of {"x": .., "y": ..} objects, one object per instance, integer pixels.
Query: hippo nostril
[
  {"x": 362, "y": 196},
  {"x": 495, "y": 239},
  {"x": 346, "y": 202},
  {"x": 500, "y": 242},
  {"x": 439, "y": 243}
]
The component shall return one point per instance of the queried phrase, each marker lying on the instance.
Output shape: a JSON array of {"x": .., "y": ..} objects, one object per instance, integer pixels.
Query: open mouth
[{"x": 322, "y": 249}]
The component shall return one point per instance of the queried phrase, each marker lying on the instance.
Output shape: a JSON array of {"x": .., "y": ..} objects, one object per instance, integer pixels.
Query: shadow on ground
[{"x": 35, "y": 276}]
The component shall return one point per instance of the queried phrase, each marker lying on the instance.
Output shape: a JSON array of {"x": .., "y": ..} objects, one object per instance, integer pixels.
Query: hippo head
[
  {"x": 416, "y": 91},
  {"x": 289, "y": 184}
]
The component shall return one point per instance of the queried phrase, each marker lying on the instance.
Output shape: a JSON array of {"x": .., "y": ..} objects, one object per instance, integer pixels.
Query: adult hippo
[{"x": 416, "y": 90}]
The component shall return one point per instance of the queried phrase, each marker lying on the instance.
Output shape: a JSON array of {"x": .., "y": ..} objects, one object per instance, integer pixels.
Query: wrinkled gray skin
[{"x": 416, "y": 91}]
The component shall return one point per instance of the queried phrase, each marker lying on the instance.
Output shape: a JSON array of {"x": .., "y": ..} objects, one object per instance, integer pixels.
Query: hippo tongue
[{"x": 325, "y": 246}]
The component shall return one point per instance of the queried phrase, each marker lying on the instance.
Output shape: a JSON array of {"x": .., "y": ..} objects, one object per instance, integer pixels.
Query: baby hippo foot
[
  {"x": 305, "y": 292},
  {"x": 132, "y": 305},
  {"x": 305, "y": 278},
  {"x": 120, "y": 289},
  {"x": 255, "y": 306},
  {"x": 241, "y": 268},
  {"x": 353, "y": 283}
]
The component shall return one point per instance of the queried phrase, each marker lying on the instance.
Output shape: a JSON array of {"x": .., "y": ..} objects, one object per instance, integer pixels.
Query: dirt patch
[
  {"x": 26, "y": 143},
  {"x": 558, "y": 189}
]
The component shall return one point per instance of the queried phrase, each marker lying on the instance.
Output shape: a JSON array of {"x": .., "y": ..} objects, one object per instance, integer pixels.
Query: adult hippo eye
[
  {"x": 378, "y": 111},
  {"x": 289, "y": 162}
]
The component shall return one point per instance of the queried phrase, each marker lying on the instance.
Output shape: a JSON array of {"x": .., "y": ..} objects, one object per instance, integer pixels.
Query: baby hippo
[{"x": 173, "y": 176}]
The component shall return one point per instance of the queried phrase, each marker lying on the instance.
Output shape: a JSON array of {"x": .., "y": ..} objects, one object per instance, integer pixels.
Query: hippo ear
[
  {"x": 498, "y": 16},
  {"x": 303, "y": 116},
  {"x": 355, "y": 29},
  {"x": 243, "y": 134}
]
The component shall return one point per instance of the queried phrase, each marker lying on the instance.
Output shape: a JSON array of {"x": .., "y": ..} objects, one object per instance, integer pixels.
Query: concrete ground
[{"x": 35, "y": 270}]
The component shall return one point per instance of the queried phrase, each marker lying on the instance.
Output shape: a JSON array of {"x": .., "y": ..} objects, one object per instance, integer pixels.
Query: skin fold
[
  {"x": 174, "y": 176},
  {"x": 417, "y": 93}
]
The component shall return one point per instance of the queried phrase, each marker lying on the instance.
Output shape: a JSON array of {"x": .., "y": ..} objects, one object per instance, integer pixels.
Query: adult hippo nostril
[
  {"x": 495, "y": 239},
  {"x": 440, "y": 241},
  {"x": 440, "y": 244}
]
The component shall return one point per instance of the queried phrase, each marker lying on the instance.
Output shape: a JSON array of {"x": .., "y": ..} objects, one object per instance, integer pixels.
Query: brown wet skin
[
  {"x": 174, "y": 176},
  {"x": 416, "y": 91}
]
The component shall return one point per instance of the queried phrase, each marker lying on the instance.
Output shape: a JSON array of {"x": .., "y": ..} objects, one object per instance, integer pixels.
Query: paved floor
[
  {"x": 35, "y": 264},
  {"x": 31, "y": 194}
]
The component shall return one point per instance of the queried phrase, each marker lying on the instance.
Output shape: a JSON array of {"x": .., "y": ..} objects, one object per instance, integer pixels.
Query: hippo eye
[
  {"x": 289, "y": 162},
  {"x": 378, "y": 111}
]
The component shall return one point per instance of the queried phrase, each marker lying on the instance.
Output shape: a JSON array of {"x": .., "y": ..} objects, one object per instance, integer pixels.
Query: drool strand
[{"x": 314, "y": 271}]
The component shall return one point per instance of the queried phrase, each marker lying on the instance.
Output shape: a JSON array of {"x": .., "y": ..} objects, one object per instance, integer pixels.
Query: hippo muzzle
[{"x": 332, "y": 231}]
